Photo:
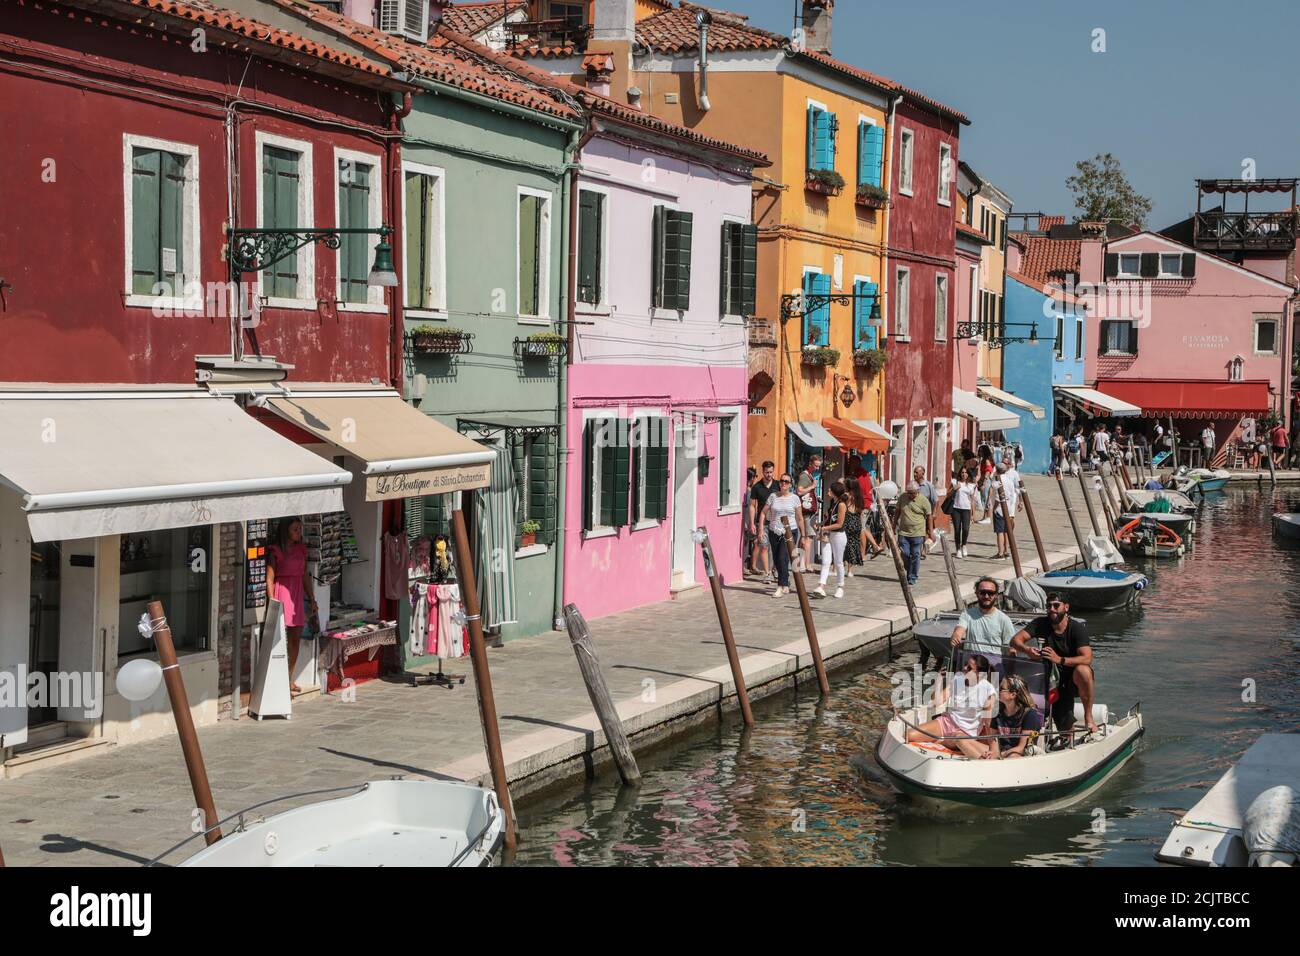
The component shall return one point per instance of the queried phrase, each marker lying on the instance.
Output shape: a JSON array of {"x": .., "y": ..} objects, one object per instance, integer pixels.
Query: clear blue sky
[{"x": 1186, "y": 89}]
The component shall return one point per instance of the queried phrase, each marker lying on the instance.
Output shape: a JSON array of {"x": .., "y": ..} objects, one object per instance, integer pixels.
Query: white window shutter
[{"x": 390, "y": 16}]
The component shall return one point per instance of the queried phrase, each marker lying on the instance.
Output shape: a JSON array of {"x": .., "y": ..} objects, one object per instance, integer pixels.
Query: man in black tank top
[{"x": 759, "y": 492}]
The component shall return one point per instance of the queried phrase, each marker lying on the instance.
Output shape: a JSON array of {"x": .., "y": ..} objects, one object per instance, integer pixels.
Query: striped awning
[{"x": 494, "y": 513}]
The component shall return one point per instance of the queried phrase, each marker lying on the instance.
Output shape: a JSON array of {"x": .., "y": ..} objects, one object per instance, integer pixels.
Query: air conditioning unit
[{"x": 405, "y": 18}]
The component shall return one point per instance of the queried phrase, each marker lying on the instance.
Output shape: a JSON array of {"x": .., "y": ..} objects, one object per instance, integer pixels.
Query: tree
[{"x": 1102, "y": 191}]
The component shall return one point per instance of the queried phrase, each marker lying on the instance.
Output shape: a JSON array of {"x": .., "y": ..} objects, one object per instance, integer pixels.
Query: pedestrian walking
[
  {"x": 927, "y": 489},
  {"x": 809, "y": 489},
  {"x": 1277, "y": 436},
  {"x": 759, "y": 492},
  {"x": 914, "y": 523},
  {"x": 1058, "y": 453},
  {"x": 1009, "y": 478},
  {"x": 964, "y": 498},
  {"x": 834, "y": 538},
  {"x": 985, "y": 479},
  {"x": 1208, "y": 443},
  {"x": 782, "y": 505}
]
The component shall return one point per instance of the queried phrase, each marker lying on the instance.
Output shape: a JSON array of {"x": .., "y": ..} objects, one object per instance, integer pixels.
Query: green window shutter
[
  {"x": 530, "y": 255},
  {"x": 590, "y": 241},
  {"x": 875, "y": 155},
  {"x": 413, "y": 516},
  {"x": 354, "y": 213},
  {"x": 418, "y": 188},
  {"x": 171, "y": 227},
  {"x": 676, "y": 256},
  {"x": 656, "y": 481},
  {"x": 725, "y": 298},
  {"x": 724, "y": 461},
  {"x": 590, "y": 507},
  {"x": 522, "y": 501},
  {"x": 542, "y": 486},
  {"x": 436, "y": 514},
  {"x": 657, "y": 258},
  {"x": 608, "y": 447},
  {"x": 622, "y": 475},
  {"x": 864, "y": 335},
  {"x": 280, "y": 181},
  {"x": 817, "y": 321},
  {"x": 637, "y": 468},
  {"x": 748, "y": 269},
  {"x": 146, "y": 165}
]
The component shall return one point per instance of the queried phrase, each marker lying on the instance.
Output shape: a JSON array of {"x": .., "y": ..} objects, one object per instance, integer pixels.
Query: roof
[
  {"x": 472, "y": 18},
  {"x": 447, "y": 58},
  {"x": 675, "y": 31},
  {"x": 1054, "y": 290},
  {"x": 1047, "y": 222},
  {"x": 262, "y": 38},
  {"x": 1048, "y": 260},
  {"x": 973, "y": 233}
]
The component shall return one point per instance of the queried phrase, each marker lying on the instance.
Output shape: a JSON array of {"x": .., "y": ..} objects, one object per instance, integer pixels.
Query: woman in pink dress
[{"x": 286, "y": 570}]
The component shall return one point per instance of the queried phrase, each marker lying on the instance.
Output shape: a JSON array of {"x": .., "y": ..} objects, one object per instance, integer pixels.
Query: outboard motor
[
  {"x": 1272, "y": 828},
  {"x": 1026, "y": 595}
]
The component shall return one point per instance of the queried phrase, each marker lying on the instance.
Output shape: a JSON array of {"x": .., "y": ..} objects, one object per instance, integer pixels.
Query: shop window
[
  {"x": 162, "y": 237},
  {"x": 672, "y": 258},
  {"x": 424, "y": 238},
  {"x": 175, "y": 567},
  {"x": 739, "y": 268}
]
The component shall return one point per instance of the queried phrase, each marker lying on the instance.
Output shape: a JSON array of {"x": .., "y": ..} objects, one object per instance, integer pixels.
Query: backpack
[{"x": 1073, "y": 445}]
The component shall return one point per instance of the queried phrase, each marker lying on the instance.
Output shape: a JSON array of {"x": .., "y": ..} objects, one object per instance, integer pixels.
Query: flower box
[
  {"x": 821, "y": 355},
  {"x": 870, "y": 361},
  {"x": 437, "y": 341},
  {"x": 528, "y": 533},
  {"x": 542, "y": 345},
  {"x": 827, "y": 182},
  {"x": 871, "y": 197}
]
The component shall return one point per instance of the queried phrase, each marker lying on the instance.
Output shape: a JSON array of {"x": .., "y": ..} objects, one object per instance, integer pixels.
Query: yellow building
[{"x": 985, "y": 208}]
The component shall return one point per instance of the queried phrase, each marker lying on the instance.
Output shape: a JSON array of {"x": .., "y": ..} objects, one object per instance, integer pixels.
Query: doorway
[
  {"x": 685, "y": 469},
  {"x": 43, "y": 622}
]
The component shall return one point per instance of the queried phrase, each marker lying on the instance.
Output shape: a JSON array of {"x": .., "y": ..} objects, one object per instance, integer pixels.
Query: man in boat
[
  {"x": 984, "y": 629},
  {"x": 1065, "y": 643}
]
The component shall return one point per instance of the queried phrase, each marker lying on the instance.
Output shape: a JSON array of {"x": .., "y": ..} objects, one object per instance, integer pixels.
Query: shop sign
[{"x": 439, "y": 481}]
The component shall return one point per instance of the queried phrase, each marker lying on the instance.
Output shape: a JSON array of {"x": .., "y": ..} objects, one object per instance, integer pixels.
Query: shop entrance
[
  {"x": 43, "y": 623},
  {"x": 61, "y": 628}
]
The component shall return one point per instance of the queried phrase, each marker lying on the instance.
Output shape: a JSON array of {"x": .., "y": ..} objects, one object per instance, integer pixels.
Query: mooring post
[
  {"x": 1092, "y": 509},
  {"x": 1010, "y": 522},
  {"x": 951, "y": 567},
  {"x": 1033, "y": 527},
  {"x": 487, "y": 705},
  {"x": 804, "y": 606},
  {"x": 724, "y": 622},
  {"x": 585, "y": 650},
  {"x": 1074, "y": 523},
  {"x": 897, "y": 555}
]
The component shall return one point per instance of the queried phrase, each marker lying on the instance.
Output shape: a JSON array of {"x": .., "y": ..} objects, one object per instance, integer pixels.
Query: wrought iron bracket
[
  {"x": 253, "y": 250},
  {"x": 968, "y": 330}
]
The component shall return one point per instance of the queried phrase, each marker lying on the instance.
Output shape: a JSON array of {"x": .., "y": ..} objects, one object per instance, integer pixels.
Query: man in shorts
[
  {"x": 758, "y": 495},
  {"x": 1063, "y": 641}
]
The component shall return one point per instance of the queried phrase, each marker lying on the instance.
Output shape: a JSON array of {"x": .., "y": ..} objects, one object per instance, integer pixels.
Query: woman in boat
[
  {"x": 972, "y": 700},
  {"x": 1017, "y": 717}
]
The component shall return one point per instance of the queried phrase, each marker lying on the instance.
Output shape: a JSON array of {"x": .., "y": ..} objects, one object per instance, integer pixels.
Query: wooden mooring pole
[
  {"x": 1092, "y": 509},
  {"x": 487, "y": 705},
  {"x": 1033, "y": 527},
  {"x": 897, "y": 555},
  {"x": 585, "y": 650},
  {"x": 1010, "y": 522},
  {"x": 951, "y": 567},
  {"x": 162, "y": 638},
  {"x": 804, "y": 606},
  {"x": 1074, "y": 522},
  {"x": 724, "y": 622}
]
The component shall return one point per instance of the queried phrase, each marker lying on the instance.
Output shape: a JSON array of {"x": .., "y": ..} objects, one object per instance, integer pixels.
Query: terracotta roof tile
[
  {"x": 1048, "y": 260},
  {"x": 472, "y": 18},
  {"x": 1052, "y": 287},
  {"x": 1047, "y": 222}
]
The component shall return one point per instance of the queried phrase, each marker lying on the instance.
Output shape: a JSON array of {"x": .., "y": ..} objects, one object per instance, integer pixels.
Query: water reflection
[{"x": 1211, "y": 654}]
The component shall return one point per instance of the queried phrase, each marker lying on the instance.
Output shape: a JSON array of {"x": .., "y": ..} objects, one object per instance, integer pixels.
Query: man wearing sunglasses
[
  {"x": 1064, "y": 642},
  {"x": 984, "y": 629}
]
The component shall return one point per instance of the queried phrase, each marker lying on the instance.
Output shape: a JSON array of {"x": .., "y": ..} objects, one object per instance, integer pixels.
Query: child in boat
[
  {"x": 1016, "y": 718},
  {"x": 972, "y": 702}
]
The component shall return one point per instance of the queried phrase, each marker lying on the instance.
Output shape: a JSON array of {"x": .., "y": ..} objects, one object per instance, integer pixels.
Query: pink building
[
  {"x": 1186, "y": 335},
  {"x": 664, "y": 279}
]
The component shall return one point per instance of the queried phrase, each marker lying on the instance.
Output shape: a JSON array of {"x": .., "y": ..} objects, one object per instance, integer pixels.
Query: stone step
[{"x": 51, "y": 755}]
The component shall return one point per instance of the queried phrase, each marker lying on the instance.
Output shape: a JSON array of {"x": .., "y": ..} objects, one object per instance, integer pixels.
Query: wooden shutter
[
  {"x": 280, "y": 181},
  {"x": 1112, "y": 265},
  {"x": 1150, "y": 265},
  {"x": 724, "y": 462},
  {"x": 146, "y": 165},
  {"x": 413, "y": 516},
  {"x": 824, "y": 144},
  {"x": 436, "y": 512},
  {"x": 590, "y": 241},
  {"x": 1133, "y": 338},
  {"x": 863, "y": 165},
  {"x": 656, "y": 468},
  {"x": 673, "y": 257},
  {"x": 864, "y": 335},
  {"x": 1103, "y": 332},
  {"x": 810, "y": 137},
  {"x": 875, "y": 155},
  {"x": 1002, "y": 315},
  {"x": 1189, "y": 265},
  {"x": 817, "y": 321},
  {"x": 543, "y": 486},
  {"x": 417, "y": 237},
  {"x": 748, "y": 269},
  {"x": 590, "y": 507},
  {"x": 615, "y": 484},
  {"x": 727, "y": 294},
  {"x": 657, "y": 258}
]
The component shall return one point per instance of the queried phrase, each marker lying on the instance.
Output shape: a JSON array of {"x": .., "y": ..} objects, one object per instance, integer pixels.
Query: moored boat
[
  {"x": 1089, "y": 590},
  {"x": 1138, "y": 499},
  {"x": 385, "y": 823},
  {"x": 1147, "y": 537},
  {"x": 1183, "y": 524},
  {"x": 1287, "y": 525}
]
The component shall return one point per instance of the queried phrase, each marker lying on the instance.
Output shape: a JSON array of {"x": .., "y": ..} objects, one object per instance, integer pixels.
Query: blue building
[{"x": 1030, "y": 370}]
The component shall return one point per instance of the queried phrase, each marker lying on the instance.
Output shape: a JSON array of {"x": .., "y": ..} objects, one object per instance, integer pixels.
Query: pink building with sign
[
  {"x": 664, "y": 271},
  {"x": 1186, "y": 335}
]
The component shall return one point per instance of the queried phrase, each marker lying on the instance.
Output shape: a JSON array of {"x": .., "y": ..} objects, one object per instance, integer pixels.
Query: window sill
[
  {"x": 599, "y": 533},
  {"x": 590, "y": 308},
  {"x": 165, "y": 303},
  {"x": 944, "y": 202},
  {"x": 728, "y": 510},
  {"x": 646, "y": 523},
  {"x": 902, "y": 338},
  {"x": 424, "y": 315},
  {"x": 531, "y": 550},
  {"x": 534, "y": 320},
  {"x": 377, "y": 308},
  {"x": 905, "y": 192},
  {"x": 1119, "y": 354},
  {"x": 306, "y": 305}
]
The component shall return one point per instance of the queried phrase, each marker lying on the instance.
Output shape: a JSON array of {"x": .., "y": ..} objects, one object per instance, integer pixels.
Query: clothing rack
[{"x": 439, "y": 679}]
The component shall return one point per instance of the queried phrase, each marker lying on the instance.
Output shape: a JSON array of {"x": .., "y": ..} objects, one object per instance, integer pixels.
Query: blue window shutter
[
  {"x": 875, "y": 154},
  {"x": 863, "y": 165},
  {"x": 809, "y": 320},
  {"x": 824, "y": 142},
  {"x": 864, "y": 335},
  {"x": 812, "y": 137},
  {"x": 822, "y": 317}
]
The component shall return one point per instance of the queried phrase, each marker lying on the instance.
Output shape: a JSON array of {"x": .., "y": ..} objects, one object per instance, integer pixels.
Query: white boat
[
  {"x": 1044, "y": 779},
  {"x": 1184, "y": 524},
  {"x": 1215, "y": 831},
  {"x": 1138, "y": 499},
  {"x": 385, "y": 823},
  {"x": 1287, "y": 525},
  {"x": 1089, "y": 590}
]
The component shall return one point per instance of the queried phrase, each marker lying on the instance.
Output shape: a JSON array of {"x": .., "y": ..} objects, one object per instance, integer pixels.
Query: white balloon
[
  {"x": 138, "y": 679},
  {"x": 888, "y": 490}
]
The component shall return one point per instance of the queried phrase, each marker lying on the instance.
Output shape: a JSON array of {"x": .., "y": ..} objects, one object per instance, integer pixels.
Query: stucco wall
[{"x": 1027, "y": 374}]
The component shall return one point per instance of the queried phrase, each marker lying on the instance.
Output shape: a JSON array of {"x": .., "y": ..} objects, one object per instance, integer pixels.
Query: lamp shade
[{"x": 382, "y": 272}]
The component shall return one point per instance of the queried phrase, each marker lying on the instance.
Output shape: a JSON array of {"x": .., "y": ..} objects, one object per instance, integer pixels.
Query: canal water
[{"x": 1213, "y": 654}]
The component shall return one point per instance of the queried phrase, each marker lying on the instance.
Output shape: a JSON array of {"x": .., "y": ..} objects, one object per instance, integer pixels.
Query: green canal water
[{"x": 801, "y": 788}]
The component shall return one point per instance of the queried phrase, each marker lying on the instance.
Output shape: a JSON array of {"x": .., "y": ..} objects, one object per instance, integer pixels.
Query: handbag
[{"x": 946, "y": 505}]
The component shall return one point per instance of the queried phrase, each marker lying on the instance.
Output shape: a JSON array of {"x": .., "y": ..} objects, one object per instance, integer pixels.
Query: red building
[{"x": 922, "y": 302}]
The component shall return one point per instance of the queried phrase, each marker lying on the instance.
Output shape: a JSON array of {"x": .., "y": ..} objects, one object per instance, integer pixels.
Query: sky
[{"x": 1184, "y": 90}]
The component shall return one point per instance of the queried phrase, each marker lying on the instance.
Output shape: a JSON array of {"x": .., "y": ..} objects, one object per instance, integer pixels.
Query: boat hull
[
  {"x": 1139, "y": 499},
  {"x": 1183, "y": 524},
  {"x": 1287, "y": 525},
  {"x": 1092, "y": 594}
]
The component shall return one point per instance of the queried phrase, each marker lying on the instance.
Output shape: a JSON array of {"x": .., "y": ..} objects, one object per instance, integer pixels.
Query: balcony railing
[
  {"x": 550, "y": 33},
  {"x": 1267, "y": 231}
]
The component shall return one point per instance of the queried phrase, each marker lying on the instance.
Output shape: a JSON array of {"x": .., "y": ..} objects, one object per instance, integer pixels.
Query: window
[
  {"x": 1130, "y": 265},
  {"x": 650, "y": 466},
  {"x": 591, "y": 247},
  {"x": 1266, "y": 334},
  {"x": 864, "y": 333},
  {"x": 534, "y": 460},
  {"x": 175, "y": 567},
  {"x": 284, "y": 202},
  {"x": 1171, "y": 265},
  {"x": 816, "y": 318},
  {"x": 1058, "y": 345},
  {"x": 903, "y": 304},
  {"x": 822, "y": 127},
  {"x": 1117, "y": 338},
  {"x": 606, "y": 460},
  {"x": 360, "y": 189},
  {"x": 905, "y": 141},
  {"x": 941, "y": 308},
  {"x": 739, "y": 268},
  {"x": 572, "y": 12},
  {"x": 975, "y": 294},
  {"x": 1078, "y": 340},
  {"x": 728, "y": 460},
  {"x": 162, "y": 219},
  {"x": 533, "y": 254},
  {"x": 424, "y": 239},
  {"x": 898, "y": 453},
  {"x": 920, "y": 444},
  {"x": 945, "y": 173},
  {"x": 871, "y": 153},
  {"x": 672, "y": 258},
  {"x": 940, "y": 454}
]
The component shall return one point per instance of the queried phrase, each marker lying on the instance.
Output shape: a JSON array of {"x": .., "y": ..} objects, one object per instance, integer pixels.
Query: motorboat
[
  {"x": 1148, "y": 537},
  {"x": 1200, "y": 481},
  {"x": 1287, "y": 525},
  {"x": 1139, "y": 498},
  {"x": 935, "y": 633},
  {"x": 1089, "y": 590},
  {"x": 382, "y": 823},
  {"x": 1183, "y": 524},
  {"x": 1059, "y": 767}
]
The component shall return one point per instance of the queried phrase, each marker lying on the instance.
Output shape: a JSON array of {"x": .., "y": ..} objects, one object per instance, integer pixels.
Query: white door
[
  {"x": 78, "y": 635},
  {"x": 15, "y": 614},
  {"x": 685, "y": 469}
]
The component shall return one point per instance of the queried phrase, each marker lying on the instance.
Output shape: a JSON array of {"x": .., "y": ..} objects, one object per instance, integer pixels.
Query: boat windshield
[{"x": 1037, "y": 675}]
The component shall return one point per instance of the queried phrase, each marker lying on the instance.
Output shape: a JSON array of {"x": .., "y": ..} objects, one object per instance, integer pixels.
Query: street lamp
[{"x": 970, "y": 331}]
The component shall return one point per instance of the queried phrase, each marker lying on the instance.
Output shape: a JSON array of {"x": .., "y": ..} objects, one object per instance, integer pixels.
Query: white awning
[
  {"x": 872, "y": 427},
  {"x": 989, "y": 417},
  {"x": 813, "y": 434},
  {"x": 1006, "y": 398},
  {"x": 405, "y": 452},
  {"x": 117, "y": 462},
  {"x": 1098, "y": 403}
]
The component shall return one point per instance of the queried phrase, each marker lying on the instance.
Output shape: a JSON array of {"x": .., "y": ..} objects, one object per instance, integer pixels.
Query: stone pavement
[{"x": 665, "y": 665}]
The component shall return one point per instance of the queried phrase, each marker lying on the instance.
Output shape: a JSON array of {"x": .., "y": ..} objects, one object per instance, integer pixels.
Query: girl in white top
[
  {"x": 965, "y": 495},
  {"x": 834, "y": 539},
  {"x": 781, "y": 505},
  {"x": 972, "y": 703}
]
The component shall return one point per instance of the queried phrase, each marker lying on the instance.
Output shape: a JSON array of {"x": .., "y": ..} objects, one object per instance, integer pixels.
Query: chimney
[
  {"x": 817, "y": 25},
  {"x": 613, "y": 31},
  {"x": 436, "y": 7}
]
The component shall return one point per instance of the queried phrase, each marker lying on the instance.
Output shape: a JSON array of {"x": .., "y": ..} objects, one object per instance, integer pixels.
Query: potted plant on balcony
[
  {"x": 436, "y": 338},
  {"x": 871, "y": 197},
  {"x": 825, "y": 181},
  {"x": 871, "y": 361},
  {"x": 543, "y": 344},
  {"x": 820, "y": 355},
  {"x": 528, "y": 533}
]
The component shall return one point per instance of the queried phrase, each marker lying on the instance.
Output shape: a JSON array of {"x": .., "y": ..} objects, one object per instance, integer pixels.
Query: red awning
[
  {"x": 855, "y": 437},
  {"x": 1164, "y": 398}
]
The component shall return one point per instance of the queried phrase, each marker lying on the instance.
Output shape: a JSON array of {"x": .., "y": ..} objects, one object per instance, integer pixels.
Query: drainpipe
[
  {"x": 702, "y": 20},
  {"x": 884, "y": 259},
  {"x": 396, "y": 322}
]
